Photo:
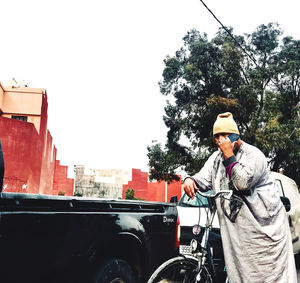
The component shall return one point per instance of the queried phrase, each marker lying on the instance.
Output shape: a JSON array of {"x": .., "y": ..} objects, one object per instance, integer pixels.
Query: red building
[
  {"x": 29, "y": 153},
  {"x": 151, "y": 191}
]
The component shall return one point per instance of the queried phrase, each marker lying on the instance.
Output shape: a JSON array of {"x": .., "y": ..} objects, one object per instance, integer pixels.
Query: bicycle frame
[
  {"x": 190, "y": 265},
  {"x": 201, "y": 255}
]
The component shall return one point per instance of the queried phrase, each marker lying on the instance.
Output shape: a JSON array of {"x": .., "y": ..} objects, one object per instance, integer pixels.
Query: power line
[
  {"x": 228, "y": 31},
  {"x": 242, "y": 48}
]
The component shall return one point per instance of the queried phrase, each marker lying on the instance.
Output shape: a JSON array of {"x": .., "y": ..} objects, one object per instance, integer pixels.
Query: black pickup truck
[{"x": 67, "y": 239}]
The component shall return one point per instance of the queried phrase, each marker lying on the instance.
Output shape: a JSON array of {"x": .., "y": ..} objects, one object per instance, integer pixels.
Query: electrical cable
[
  {"x": 228, "y": 31},
  {"x": 207, "y": 209},
  {"x": 239, "y": 45}
]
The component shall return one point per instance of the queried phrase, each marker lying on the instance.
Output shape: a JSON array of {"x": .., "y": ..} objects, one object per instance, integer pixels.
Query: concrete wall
[{"x": 102, "y": 183}]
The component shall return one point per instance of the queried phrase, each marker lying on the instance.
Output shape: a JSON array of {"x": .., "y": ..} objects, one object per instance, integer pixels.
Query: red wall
[
  {"x": 61, "y": 182},
  {"x": 30, "y": 161},
  {"x": 21, "y": 146},
  {"x": 154, "y": 191},
  {"x": 139, "y": 183}
]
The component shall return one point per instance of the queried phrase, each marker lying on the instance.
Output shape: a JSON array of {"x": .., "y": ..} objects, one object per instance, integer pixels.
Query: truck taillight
[{"x": 177, "y": 240}]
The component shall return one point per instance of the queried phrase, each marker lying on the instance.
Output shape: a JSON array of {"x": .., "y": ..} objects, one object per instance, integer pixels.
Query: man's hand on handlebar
[{"x": 190, "y": 187}]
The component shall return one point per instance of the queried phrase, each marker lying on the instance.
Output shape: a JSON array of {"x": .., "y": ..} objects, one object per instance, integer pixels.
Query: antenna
[{"x": 19, "y": 84}]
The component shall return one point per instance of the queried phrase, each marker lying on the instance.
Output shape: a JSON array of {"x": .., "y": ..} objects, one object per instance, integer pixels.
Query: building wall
[
  {"x": 48, "y": 156},
  {"x": 23, "y": 102},
  {"x": 29, "y": 153},
  {"x": 151, "y": 191},
  {"x": 21, "y": 149},
  {"x": 102, "y": 183},
  {"x": 1, "y": 96},
  {"x": 62, "y": 185},
  {"x": 114, "y": 183},
  {"x": 139, "y": 183}
]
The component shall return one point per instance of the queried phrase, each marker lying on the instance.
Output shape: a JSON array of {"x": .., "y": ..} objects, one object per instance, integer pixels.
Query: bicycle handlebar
[{"x": 217, "y": 194}]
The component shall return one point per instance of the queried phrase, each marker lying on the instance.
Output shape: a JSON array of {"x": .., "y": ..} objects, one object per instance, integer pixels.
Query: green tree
[
  {"x": 129, "y": 194},
  {"x": 255, "y": 76}
]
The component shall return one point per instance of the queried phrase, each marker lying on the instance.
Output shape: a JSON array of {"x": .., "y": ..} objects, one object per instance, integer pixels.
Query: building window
[{"x": 20, "y": 118}]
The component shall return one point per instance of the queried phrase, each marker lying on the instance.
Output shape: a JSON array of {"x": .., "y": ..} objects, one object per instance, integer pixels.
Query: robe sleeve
[
  {"x": 204, "y": 176},
  {"x": 249, "y": 169}
]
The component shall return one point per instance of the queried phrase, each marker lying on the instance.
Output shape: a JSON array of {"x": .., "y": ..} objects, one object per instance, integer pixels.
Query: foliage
[
  {"x": 206, "y": 77},
  {"x": 78, "y": 194},
  {"x": 129, "y": 194}
]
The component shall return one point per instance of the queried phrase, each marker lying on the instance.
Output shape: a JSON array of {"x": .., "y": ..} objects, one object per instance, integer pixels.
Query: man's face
[{"x": 220, "y": 137}]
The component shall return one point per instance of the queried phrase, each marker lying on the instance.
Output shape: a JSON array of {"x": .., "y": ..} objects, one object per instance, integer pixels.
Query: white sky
[{"x": 100, "y": 62}]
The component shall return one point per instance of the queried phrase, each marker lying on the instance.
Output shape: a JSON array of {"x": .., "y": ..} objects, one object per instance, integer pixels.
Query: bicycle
[{"x": 192, "y": 266}]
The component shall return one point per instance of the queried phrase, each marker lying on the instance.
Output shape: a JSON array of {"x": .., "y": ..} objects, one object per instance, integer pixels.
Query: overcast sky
[{"x": 100, "y": 62}]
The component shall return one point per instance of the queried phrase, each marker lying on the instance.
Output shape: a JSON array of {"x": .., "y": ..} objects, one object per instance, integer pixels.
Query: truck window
[{"x": 195, "y": 202}]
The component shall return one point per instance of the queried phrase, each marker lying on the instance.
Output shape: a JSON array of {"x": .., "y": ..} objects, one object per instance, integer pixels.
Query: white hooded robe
[{"x": 254, "y": 226}]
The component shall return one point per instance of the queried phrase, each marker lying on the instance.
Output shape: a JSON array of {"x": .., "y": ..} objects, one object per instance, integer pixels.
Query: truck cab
[{"x": 52, "y": 239}]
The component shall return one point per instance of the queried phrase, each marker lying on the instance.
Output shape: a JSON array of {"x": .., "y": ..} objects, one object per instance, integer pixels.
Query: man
[{"x": 254, "y": 228}]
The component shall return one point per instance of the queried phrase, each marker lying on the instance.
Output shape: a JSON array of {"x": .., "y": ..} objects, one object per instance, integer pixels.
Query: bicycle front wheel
[{"x": 180, "y": 270}]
